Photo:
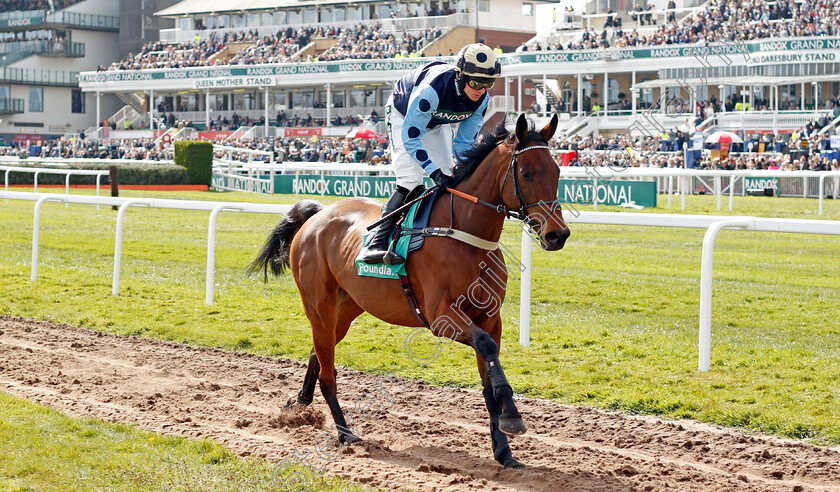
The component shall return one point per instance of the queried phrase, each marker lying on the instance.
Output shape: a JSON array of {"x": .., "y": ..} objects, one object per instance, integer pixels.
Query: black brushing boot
[{"x": 378, "y": 249}]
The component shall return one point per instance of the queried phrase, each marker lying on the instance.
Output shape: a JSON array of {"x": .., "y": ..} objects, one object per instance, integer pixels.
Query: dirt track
[{"x": 428, "y": 438}]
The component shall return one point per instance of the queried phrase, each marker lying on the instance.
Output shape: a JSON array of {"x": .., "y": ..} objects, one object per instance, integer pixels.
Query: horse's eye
[{"x": 525, "y": 175}]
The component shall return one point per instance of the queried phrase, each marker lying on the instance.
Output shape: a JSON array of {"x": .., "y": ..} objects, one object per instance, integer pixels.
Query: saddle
[{"x": 409, "y": 236}]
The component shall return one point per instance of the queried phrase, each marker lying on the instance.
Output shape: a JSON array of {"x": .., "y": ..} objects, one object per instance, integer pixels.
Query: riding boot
[{"x": 378, "y": 249}]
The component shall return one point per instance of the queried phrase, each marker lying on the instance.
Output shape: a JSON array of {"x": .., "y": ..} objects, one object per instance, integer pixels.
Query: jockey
[{"x": 432, "y": 111}]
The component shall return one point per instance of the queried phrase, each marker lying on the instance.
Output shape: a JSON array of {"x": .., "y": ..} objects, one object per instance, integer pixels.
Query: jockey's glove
[{"x": 442, "y": 180}]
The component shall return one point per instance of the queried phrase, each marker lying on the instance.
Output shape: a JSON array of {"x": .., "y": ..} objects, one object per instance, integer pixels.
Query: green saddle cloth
[{"x": 382, "y": 270}]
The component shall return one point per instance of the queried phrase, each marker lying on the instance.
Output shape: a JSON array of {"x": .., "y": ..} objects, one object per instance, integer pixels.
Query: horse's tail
[{"x": 275, "y": 252}]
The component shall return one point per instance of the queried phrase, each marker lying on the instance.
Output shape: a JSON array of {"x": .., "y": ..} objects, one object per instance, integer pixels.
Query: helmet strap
[{"x": 460, "y": 83}]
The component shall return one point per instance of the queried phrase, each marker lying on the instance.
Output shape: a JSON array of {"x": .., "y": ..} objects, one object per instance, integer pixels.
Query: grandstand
[{"x": 654, "y": 77}]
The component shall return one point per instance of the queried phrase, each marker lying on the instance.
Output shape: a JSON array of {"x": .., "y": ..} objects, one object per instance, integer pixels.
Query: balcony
[
  {"x": 25, "y": 76},
  {"x": 21, "y": 20},
  {"x": 51, "y": 48},
  {"x": 11, "y": 106}
]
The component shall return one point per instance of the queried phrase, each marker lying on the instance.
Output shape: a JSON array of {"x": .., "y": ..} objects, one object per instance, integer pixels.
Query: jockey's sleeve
[
  {"x": 423, "y": 102},
  {"x": 468, "y": 129}
]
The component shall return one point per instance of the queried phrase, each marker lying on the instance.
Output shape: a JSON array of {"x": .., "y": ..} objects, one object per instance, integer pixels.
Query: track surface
[{"x": 427, "y": 438}]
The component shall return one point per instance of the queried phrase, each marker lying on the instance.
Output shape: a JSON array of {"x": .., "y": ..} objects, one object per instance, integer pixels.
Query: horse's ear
[
  {"x": 521, "y": 127},
  {"x": 549, "y": 129}
]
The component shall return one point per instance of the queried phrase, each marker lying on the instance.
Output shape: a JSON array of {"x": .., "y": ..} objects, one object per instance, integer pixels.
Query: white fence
[
  {"x": 67, "y": 172},
  {"x": 685, "y": 181},
  {"x": 712, "y": 224},
  {"x": 124, "y": 203}
]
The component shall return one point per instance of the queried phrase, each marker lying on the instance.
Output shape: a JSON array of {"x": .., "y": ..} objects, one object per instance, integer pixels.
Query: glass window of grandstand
[
  {"x": 359, "y": 13},
  {"x": 484, "y": 5},
  {"x": 219, "y": 102},
  {"x": 321, "y": 99},
  {"x": 219, "y": 21},
  {"x": 189, "y": 102},
  {"x": 645, "y": 97},
  {"x": 384, "y": 94},
  {"x": 185, "y": 23},
  {"x": 362, "y": 97},
  {"x": 701, "y": 93},
  {"x": 386, "y": 10},
  {"x": 279, "y": 17},
  {"x": 338, "y": 98},
  {"x": 244, "y": 101},
  {"x": 787, "y": 97},
  {"x": 36, "y": 99},
  {"x": 612, "y": 91},
  {"x": 339, "y": 14},
  {"x": 527, "y": 9},
  {"x": 293, "y": 17},
  {"x": 280, "y": 101},
  {"x": 252, "y": 20},
  {"x": 5, "y": 92},
  {"x": 237, "y": 20},
  {"x": 77, "y": 101},
  {"x": 265, "y": 19},
  {"x": 310, "y": 16},
  {"x": 303, "y": 99}
]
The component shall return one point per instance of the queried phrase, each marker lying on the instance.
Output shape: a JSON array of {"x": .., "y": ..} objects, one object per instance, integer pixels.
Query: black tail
[{"x": 275, "y": 252}]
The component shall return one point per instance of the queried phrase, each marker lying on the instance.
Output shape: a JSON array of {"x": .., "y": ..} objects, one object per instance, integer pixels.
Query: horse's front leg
[
  {"x": 501, "y": 448},
  {"x": 498, "y": 394},
  {"x": 510, "y": 421}
]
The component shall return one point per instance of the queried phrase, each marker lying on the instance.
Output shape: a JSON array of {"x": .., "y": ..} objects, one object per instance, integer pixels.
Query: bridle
[{"x": 522, "y": 214}]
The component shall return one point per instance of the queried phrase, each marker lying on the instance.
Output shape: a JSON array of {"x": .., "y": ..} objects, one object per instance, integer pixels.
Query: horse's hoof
[
  {"x": 348, "y": 438},
  {"x": 513, "y": 426},
  {"x": 290, "y": 403},
  {"x": 513, "y": 464}
]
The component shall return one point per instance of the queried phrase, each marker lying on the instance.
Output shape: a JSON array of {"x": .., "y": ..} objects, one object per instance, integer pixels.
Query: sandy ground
[{"x": 420, "y": 437}]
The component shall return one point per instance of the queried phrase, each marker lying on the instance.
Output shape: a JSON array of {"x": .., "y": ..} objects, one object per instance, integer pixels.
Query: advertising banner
[{"x": 641, "y": 193}]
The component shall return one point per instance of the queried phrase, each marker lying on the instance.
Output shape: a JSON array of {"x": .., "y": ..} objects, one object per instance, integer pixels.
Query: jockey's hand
[{"x": 442, "y": 180}]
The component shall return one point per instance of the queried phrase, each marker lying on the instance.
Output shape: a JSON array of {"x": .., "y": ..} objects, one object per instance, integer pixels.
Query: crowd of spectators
[
  {"x": 357, "y": 42},
  {"x": 723, "y": 21},
  {"x": 157, "y": 54},
  {"x": 15, "y": 5},
  {"x": 371, "y": 42}
]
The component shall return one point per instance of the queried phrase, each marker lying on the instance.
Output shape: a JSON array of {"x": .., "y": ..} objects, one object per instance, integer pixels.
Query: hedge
[
  {"x": 197, "y": 157},
  {"x": 130, "y": 174}
]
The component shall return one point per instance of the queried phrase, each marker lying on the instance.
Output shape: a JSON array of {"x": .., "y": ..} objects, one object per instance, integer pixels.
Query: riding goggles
[{"x": 478, "y": 84}]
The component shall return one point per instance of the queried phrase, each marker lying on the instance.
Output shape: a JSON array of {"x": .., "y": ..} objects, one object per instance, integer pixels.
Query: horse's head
[{"x": 530, "y": 183}]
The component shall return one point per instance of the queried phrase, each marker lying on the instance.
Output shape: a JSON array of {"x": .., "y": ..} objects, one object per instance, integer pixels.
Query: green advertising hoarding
[
  {"x": 607, "y": 192},
  {"x": 760, "y": 183},
  {"x": 641, "y": 193}
]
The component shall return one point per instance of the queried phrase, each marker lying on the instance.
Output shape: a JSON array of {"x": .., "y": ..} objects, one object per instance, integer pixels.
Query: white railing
[
  {"x": 124, "y": 203},
  {"x": 712, "y": 224},
  {"x": 753, "y": 120},
  {"x": 500, "y": 104},
  {"x": 234, "y": 175},
  {"x": 683, "y": 179},
  {"x": 67, "y": 172}
]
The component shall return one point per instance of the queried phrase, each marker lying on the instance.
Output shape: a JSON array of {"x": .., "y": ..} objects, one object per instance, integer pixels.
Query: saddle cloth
[{"x": 416, "y": 218}]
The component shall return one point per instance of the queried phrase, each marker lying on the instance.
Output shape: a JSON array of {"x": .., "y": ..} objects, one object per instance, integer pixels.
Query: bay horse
[{"x": 508, "y": 174}]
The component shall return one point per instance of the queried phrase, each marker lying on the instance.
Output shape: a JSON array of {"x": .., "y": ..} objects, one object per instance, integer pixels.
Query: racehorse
[{"x": 457, "y": 285}]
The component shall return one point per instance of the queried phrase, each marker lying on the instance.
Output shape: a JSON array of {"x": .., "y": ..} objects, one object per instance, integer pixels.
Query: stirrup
[{"x": 392, "y": 258}]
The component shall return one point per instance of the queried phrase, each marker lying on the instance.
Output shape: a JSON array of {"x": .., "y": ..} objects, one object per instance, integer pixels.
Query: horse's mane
[{"x": 469, "y": 161}]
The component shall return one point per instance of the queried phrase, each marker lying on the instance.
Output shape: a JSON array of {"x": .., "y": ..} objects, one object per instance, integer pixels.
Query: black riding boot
[{"x": 378, "y": 249}]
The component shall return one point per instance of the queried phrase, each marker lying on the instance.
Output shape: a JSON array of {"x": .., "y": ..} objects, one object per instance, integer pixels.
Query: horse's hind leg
[
  {"x": 334, "y": 320},
  {"x": 308, "y": 390}
]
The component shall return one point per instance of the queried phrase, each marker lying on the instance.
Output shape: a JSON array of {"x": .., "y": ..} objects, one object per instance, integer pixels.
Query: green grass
[
  {"x": 44, "y": 450},
  {"x": 614, "y": 323}
]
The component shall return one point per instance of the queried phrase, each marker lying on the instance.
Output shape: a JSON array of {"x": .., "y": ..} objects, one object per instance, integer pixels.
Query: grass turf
[{"x": 614, "y": 321}]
